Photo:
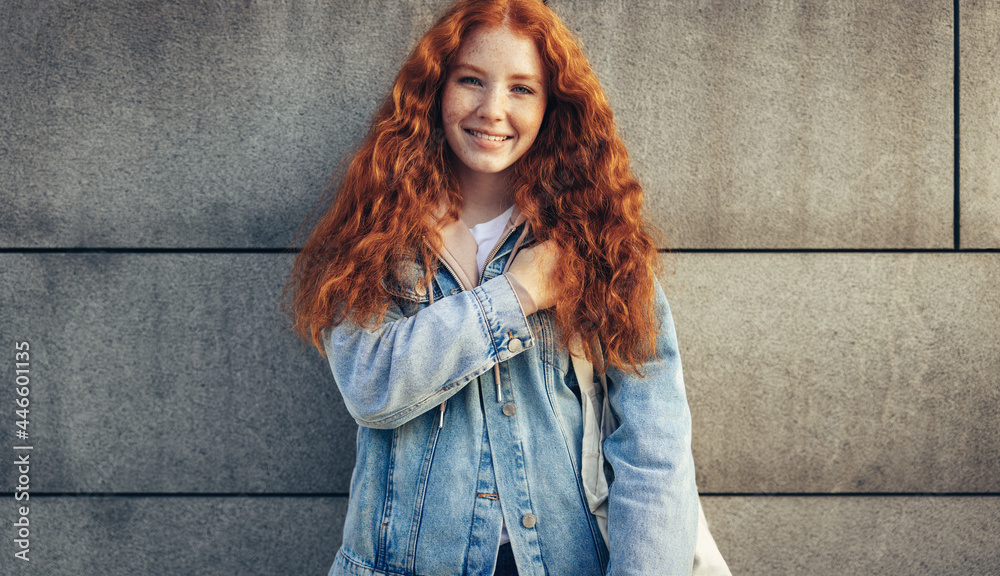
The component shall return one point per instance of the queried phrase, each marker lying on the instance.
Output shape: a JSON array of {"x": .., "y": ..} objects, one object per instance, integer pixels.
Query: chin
[
  {"x": 486, "y": 166},
  {"x": 489, "y": 169}
]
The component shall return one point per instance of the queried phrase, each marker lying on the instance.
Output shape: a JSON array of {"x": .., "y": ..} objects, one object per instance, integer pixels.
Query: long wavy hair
[{"x": 574, "y": 185}]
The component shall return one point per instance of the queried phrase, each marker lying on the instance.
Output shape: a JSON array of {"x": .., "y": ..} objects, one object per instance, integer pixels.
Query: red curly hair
[{"x": 574, "y": 185}]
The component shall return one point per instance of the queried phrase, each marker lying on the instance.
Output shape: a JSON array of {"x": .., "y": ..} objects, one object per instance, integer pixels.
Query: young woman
[{"x": 488, "y": 217}]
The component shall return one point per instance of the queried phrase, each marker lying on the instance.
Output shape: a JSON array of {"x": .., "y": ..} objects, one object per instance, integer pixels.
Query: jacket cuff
[
  {"x": 527, "y": 303},
  {"x": 507, "y": 324}
]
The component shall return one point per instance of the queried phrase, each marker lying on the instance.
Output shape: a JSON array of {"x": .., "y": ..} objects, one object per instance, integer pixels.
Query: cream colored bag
[{"x": 598, "y": 423}]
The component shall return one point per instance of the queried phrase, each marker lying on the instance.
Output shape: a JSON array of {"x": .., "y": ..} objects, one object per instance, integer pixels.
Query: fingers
[{"x": 534, "y": 267}]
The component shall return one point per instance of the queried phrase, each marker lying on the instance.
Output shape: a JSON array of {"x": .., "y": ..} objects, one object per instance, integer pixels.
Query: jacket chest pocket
[{"x": 546, "y": 333}]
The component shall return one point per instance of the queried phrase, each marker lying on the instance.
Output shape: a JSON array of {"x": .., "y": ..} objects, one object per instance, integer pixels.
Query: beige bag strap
[
  {"x": 598, "y": 423},
  {"x": 596, "y": 415}
]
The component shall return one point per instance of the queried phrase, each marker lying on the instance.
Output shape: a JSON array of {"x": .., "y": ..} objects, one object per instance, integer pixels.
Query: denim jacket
[{"x": 431, "y": 489}]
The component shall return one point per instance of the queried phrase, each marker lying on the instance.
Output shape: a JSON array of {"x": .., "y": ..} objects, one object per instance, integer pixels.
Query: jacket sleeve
[
  {"x": 653, "y": 500},
  {"x": 409, "y": 364}
]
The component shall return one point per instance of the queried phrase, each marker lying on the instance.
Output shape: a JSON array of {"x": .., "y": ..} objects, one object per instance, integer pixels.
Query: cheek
[
  {"x": 531, "y": 121},
  {"x": 451, "y": 108}
]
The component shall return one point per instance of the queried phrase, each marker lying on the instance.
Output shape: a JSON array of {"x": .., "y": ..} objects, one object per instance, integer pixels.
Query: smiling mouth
[{"x": 487, "y": 136}]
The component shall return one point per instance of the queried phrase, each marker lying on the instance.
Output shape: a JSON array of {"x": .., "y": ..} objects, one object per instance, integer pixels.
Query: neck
[{"x": 485, "y": 196}]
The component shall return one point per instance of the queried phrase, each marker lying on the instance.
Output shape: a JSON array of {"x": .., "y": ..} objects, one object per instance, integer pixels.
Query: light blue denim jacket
[{"x": 429, "y": 496}]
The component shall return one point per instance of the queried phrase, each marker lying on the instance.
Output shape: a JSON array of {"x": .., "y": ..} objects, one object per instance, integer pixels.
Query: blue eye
[
  {"x": 522, "y": 90},
  {"x": 468, "y": 80}
]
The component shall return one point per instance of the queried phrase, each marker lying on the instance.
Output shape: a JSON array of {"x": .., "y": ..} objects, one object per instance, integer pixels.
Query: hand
[{"x": 534, "y": 268}]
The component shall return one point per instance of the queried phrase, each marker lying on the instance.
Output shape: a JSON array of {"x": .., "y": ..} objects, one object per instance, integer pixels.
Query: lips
[{"x": 485, "y": 136}]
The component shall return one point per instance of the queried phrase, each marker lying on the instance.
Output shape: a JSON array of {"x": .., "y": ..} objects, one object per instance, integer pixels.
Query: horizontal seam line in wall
[
  {"x": 182, "y": 494},
  {"x": 345, "y": 494},
  {"x": 661, "y": 251},
  {"x": 151, "y": 250},
  {"x": 850, "y": 494},
  {"x": 829, "y": 251}
]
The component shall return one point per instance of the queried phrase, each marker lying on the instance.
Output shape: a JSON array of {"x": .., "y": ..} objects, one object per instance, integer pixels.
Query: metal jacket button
[
  {"x": 509, "y": 409},
  {"x": 528, "y": 520},
  {"x": 515, "y": 346}
]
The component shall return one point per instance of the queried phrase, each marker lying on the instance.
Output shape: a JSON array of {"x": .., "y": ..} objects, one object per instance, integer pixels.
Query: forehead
[{"x": 499, "y": 49}]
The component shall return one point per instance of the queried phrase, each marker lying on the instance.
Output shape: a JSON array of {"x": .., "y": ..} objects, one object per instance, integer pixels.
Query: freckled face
[{"x": 494, "y": 100}]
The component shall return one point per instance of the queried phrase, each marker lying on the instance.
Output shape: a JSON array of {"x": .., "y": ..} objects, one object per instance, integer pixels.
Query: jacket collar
[{"x": 459, "y": 247}]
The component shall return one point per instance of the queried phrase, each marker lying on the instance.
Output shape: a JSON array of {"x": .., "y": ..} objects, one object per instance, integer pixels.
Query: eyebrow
[{"x": 478, "y": 70}]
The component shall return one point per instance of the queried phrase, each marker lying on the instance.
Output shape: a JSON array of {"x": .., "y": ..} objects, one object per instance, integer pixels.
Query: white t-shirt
[{"x": 487, "y": 234}]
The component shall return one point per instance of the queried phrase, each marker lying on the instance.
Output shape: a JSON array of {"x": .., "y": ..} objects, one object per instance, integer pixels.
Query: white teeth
[{"x": 487, "y": 136}]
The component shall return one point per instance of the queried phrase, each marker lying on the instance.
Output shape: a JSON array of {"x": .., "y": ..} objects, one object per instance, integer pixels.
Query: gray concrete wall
[{"x": 839, "y": 331}]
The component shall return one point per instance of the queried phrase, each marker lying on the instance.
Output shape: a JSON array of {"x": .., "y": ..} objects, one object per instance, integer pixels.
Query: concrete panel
[
  {"x": 182, "y": 122},
  {"x": 801, "y": 536},
  {"x": 200, "y": 124},
  {"x": 980, "y": 123},
  {"x": 169, "y": 536},
  {"x": 806, "y": 373},
  {"x": 783, "y": 124},
  {"x": 833, "y": 536},
  {"x": 169, "y": 373},
  {"x": 842, "y": 372}
]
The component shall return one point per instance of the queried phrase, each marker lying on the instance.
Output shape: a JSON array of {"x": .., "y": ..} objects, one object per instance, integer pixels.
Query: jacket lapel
[{"x": 459, "y": 247}]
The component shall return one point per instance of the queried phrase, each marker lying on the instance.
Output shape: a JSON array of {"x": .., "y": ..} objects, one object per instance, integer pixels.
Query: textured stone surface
[
  {"x": 193, "y": 536},
  {"x": 833, "y": 536},
  {"x": 841, "y": 372},
  {"x": 202, "y": 124},
  {"x": 801, "y": 536},
  {"x": 783, "y": 124},
  {"x": 980, "y": 124},
  {"x": 183, "y": 122},
  {"x": 806, "y": 373},
  {"x": 170, "y": 373}
]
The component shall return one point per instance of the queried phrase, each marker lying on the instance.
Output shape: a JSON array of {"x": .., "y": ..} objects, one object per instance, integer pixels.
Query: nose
[{"x": 493, "y": 105}]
